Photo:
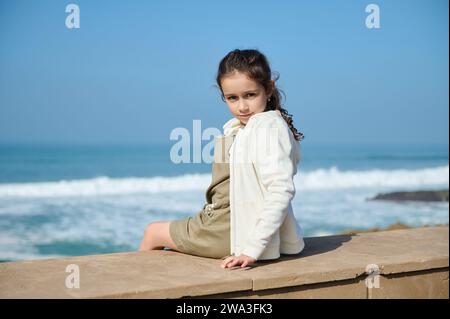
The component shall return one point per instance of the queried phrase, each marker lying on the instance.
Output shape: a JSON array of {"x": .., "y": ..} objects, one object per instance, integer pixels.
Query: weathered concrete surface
[
  {"x": 153, "y": 274},
  {"x": 423, "y": 284},
  {"x": 343, "y": 289},
  {"x": 413, "y": 263},
  {"x": 341, "y": 257}
]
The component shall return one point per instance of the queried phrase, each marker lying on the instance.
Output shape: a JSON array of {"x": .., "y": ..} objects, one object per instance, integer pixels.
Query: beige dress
[{"x": 207, "y": 234}]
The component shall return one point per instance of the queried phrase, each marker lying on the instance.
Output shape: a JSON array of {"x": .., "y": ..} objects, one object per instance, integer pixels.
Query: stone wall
[{"x": 411, "y": 263}]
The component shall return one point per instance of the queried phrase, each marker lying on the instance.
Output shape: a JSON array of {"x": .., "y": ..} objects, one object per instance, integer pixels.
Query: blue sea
[{"x": 77, "y": 200}]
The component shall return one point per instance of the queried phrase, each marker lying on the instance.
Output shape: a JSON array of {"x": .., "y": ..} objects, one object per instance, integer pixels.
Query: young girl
[{"x": 248, "y": 214}]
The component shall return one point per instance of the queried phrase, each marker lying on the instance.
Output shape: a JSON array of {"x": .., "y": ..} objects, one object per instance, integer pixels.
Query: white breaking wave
[
  {"x": 106, "y": 186},
  {"x": 331, "y": 178}
]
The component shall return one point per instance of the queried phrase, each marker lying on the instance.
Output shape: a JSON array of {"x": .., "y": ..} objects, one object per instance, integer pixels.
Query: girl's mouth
[{"x": 245, "y": 116}]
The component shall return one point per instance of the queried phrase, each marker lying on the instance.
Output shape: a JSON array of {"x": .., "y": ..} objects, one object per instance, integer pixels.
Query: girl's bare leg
[{"x": 157, "y": 236}]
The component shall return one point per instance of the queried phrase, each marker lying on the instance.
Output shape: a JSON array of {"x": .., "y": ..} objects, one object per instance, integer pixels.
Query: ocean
[{"x": 78, "y": 200}]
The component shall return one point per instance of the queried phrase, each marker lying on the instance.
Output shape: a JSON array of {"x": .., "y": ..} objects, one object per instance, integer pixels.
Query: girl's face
[{"x": 243, "y": 96}]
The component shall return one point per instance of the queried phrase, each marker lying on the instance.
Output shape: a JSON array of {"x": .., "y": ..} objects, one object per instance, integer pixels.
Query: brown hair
[{"x": 256, "y": 66}]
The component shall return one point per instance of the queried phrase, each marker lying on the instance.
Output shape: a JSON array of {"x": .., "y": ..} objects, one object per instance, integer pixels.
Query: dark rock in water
[{"x": 426, "y": 196}]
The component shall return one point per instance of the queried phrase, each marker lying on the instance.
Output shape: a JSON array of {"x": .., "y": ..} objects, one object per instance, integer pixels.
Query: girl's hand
[{"x": 242, "y": 260}]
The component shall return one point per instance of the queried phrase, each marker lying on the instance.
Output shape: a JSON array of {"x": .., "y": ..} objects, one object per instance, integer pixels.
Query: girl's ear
[{"x": 272, "y": 87}]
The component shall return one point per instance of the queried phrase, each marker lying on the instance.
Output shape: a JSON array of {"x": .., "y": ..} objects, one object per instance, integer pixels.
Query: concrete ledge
[{"x": 413, "y": 263}]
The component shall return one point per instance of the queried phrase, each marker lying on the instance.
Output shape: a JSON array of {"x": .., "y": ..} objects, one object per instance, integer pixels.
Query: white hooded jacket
[{"x": 263, "y": 162}]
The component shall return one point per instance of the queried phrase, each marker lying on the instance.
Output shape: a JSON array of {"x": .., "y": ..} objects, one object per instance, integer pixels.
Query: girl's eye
[{"x": 232, "y": 98}]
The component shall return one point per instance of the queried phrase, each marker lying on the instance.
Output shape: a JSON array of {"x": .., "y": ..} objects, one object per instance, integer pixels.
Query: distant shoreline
[{"x": 422, "y": 195}]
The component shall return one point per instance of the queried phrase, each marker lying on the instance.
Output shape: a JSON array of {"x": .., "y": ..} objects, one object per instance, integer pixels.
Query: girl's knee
[
  {"x": 150, "y": 239},
  {"x": 151, "y": 230},
  {"x": 155, "y": 233}
]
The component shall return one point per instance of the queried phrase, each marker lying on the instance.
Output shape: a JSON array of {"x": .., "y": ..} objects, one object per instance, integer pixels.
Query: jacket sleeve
[{"x": 271, "y": 156}]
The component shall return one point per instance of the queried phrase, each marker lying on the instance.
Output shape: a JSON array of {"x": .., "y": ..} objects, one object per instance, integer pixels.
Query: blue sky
[{"x": 135, "y": 70}]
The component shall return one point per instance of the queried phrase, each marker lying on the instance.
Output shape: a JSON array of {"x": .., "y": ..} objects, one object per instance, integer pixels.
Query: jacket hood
[{"x": 232, "y": 126}]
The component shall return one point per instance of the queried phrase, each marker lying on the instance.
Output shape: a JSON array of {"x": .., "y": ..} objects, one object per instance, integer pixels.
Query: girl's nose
[{"x": 243, "y": 108}]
